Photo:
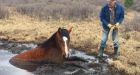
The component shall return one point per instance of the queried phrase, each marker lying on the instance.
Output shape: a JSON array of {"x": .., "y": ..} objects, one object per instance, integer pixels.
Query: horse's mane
[
  {"x": 52, "y": 41},
  {"x": 49, "y": 41}
]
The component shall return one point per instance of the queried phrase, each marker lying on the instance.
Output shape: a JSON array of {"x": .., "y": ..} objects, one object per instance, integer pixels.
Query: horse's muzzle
[{"x": 67, "y": 55}]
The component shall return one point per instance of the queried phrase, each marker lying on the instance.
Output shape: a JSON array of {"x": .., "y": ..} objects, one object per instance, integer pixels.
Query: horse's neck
[{"x": 49, "y": 43}]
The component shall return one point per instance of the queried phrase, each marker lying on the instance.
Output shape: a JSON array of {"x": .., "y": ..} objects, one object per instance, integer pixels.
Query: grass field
[{"x": 85, "y": 35}]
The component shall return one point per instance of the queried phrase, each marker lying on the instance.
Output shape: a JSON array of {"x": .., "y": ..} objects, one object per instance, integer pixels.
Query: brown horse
[{"x": 54, "y": 50}]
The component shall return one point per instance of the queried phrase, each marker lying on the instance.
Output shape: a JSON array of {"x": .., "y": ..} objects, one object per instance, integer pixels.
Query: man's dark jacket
[{"x": 105, "y": 15}]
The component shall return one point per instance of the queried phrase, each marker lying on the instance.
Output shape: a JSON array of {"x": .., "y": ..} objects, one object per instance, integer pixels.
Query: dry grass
[
  {"x": 128, "y": 63},
  {"x": 133, "y": 24},
  {"x": 47, "y": 9},
  {"x": 85, "y": 35},
  {"x": 4, "y": 13},
  {"x": 136, "y": 5},
  {"x": 24, "y": 28}
]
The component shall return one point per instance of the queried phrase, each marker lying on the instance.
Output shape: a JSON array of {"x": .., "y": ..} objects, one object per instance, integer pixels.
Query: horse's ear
[
  {"x": 70, "y": 29},
  {"x": 59, "y": 29}
]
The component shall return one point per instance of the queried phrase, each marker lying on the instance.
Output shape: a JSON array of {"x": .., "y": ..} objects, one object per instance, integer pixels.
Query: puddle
[
  {"x": 6, "y": 68},
  {"x": 87, "y": 65}
]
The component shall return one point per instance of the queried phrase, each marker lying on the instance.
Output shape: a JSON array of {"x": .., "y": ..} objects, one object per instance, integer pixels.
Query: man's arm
[
  {"x": 121, "y": 15},
  {"x": 102, "y": 16}
]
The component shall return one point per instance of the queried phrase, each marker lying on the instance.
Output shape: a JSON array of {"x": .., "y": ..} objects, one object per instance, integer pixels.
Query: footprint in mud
[{"x": 82, "y": 64}]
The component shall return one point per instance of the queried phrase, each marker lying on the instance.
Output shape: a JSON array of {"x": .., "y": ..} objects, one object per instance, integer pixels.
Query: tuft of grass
[
  {"x": 4, "y": 13},
  {"x": 136, "y": 5},
  {"x": 133, "y": 25},
  {"x": 126, "y": 65}
]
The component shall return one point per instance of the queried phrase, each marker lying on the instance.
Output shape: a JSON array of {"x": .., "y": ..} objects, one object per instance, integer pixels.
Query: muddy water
[
  {"x": 84, "y": 65},
  {"x": 6, "y": 68}
]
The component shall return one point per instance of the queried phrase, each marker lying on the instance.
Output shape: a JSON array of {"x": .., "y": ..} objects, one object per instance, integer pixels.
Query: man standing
[{"x": 111, "y": 16}]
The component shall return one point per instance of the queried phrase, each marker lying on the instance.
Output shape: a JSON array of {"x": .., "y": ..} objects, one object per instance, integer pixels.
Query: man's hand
[
  {"x": 117, "y": 25},
  {"x": 110, "y": 26}
]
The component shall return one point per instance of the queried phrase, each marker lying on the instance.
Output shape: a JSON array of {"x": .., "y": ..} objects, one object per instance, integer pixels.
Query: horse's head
[{"x": 63, "y": 40}]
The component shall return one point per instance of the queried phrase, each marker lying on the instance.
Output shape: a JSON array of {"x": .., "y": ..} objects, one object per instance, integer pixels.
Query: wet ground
[{"x": 87, "y": 65}]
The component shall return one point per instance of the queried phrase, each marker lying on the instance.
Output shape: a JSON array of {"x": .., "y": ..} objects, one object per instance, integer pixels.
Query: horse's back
[
  {"x": 33, "y": 54},
  {"x": 37, "y": 55}
]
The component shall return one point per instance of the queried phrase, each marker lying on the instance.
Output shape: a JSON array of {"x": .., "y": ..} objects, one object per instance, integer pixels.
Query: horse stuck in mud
[
  {"x": 52, "y": 57},
  {"x": 54, "y": 50}
]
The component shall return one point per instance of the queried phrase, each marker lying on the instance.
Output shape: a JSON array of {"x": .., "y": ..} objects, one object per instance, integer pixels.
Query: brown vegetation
[
  {"x": 4, "y": 13},
  {"x": 47, "y": 9},
  {"x": 25, "y": 24}
]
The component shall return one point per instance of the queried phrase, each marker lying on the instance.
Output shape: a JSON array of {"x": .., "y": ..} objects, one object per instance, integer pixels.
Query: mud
[{"x": 83, "y": 64}]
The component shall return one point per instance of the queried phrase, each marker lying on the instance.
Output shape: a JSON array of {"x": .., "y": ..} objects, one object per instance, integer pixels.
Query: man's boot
[
  {"x": 116, "y": 52},
  {"x": 101, "y": 51}
]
